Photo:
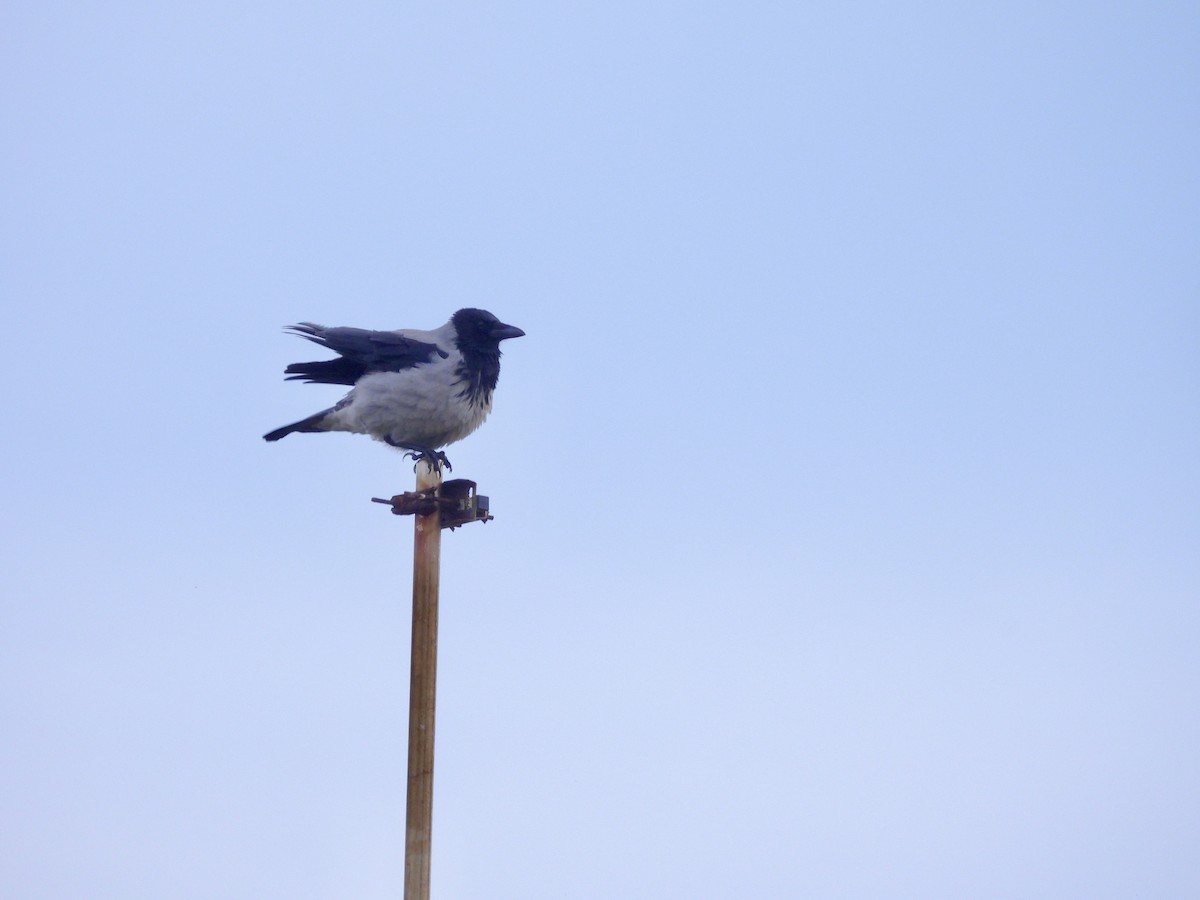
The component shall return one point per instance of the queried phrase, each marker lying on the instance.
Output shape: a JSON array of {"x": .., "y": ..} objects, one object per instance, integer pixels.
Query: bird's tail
[{"x": 312, "y": 423}]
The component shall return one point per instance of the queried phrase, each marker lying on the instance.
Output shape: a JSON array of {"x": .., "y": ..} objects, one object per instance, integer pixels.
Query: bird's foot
[{"x": 435, "y": 458}]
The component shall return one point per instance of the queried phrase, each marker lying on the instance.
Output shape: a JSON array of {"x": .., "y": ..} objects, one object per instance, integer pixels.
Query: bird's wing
[{"x": 360, "y": 351}]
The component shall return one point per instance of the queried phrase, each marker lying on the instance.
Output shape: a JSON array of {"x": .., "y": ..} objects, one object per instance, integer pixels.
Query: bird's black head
[
  {"x": 478, "y": 335},
  {"x": 479, "y": 330}
]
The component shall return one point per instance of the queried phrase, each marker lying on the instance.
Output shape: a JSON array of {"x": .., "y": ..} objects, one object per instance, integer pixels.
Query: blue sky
[{"x": 846, "y": 480}]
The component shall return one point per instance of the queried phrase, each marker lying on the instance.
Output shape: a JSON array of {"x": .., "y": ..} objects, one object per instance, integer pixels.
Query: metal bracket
[{"x": 456, "y": 499}]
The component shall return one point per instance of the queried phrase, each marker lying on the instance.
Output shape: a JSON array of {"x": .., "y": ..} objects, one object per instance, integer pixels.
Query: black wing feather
[{"x": 360, "y": 351}]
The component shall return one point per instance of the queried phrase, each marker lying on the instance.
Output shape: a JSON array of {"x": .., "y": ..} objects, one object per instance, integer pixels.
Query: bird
[{"x": 414, "y": 390}]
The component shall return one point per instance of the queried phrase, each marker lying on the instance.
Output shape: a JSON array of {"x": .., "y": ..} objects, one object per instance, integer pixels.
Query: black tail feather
[{"x": 312, "y": 423}]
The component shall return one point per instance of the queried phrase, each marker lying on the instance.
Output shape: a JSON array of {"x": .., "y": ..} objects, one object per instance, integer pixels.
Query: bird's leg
[{"x": 436, "y": 458}]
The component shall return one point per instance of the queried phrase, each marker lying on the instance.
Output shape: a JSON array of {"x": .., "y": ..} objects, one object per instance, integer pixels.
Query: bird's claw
[{"x": 436, "y": 458}]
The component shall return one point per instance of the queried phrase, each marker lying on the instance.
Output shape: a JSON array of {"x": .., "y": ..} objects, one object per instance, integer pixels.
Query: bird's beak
[{"x": 502, "y": 332}]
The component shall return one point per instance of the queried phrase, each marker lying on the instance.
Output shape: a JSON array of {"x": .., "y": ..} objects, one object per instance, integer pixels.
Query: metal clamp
[{"x": 456, "y": 499}]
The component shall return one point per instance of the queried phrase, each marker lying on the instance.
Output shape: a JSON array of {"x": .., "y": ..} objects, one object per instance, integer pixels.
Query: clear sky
[{"x": 847, "y": 537}]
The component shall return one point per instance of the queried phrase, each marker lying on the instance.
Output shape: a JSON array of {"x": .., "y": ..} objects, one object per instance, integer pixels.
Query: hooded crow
[{"x": 415, "y": 390}]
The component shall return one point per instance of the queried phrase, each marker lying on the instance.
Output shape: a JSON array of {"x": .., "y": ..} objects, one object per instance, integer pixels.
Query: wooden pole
[{"x": 422, "y": 692}]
